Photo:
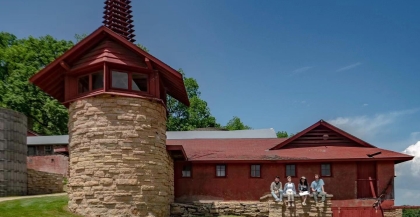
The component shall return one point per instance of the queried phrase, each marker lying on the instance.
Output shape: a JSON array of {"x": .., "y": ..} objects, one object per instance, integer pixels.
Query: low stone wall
[
  {"x": 44, "y": 183},
  {"x": 252, "y": 209},
  {"x": 393, "y": 213}
]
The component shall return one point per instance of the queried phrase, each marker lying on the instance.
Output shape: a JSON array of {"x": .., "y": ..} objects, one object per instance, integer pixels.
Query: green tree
[
  {"x": 282, "y": 134},
  {"x": 236, "y": 124},
  {"x": 79, "y": 37},
  {"x": 183, "y": 118},
  {"x": 19, "y": 60},
  {"x": 411, "y": 212}
]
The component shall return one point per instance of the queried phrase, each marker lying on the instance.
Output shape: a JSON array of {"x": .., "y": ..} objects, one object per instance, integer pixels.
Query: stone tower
[
  {"x": 13, "y": 151},
  {"x": 116, "y": 95}
]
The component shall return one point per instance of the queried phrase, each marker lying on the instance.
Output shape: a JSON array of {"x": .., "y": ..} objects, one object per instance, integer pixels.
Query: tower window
[
  {"x": 120, "y": 80},
  {"x": 83, "y": 84},
  {"x": 97, "y": 80},
  {"x": 90, "y": 82},
  {"x": 129, "y": 81}
]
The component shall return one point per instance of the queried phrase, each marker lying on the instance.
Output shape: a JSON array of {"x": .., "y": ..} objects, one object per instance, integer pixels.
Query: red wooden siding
[
  {"x": 356, "y": 212},
  {"x": 321, "y": 135},
  {"x": 366, "y": 180},
  {"x": 113, "y": 53},
  {"x": 238, "y": 185}
]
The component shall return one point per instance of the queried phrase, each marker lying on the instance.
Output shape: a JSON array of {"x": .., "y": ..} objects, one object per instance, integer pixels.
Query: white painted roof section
[
  {"x": 236, "y": 134},
  {"x": 47, "y": 140}
]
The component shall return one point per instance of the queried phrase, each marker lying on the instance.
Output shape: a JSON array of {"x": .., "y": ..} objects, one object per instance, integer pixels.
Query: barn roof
[
  {"x": 241, "y": 150},
  {"x": 51, "y": 78}
]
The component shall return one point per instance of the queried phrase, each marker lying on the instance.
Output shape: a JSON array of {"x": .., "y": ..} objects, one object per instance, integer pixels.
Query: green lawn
[
  {"x": 39, "y": 207},
  {"x": 42, "y": 207}
]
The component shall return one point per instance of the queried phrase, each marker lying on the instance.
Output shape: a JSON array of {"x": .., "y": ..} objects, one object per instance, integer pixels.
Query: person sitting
[
  {"x": 318, "y": 189},
  {"x": 290, "y": 190},
  {"x": 303, "y": 189},
  {"x": 276, "y": 189}
]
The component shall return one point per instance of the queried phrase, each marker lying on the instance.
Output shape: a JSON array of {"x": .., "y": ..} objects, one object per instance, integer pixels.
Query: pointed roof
[
  {"x": 51, "y": 78},
  {"x": 117, "y": 17},
  {"x": 341, "y": 136}
]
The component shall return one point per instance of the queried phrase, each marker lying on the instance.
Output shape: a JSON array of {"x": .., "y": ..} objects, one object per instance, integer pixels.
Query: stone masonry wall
[
  {"x": 13, "y": 151},
  {"x": 252, "y": 209},
  {"x": 119, "y": 165},
  {"x": 44, "y": 183},
  {"x": 393, "y": 213}
]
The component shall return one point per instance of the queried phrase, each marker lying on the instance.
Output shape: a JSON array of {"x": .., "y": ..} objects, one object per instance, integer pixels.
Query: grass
[
  {"x": 43, "y": 207},
  {"x": 55, "y": 206}
]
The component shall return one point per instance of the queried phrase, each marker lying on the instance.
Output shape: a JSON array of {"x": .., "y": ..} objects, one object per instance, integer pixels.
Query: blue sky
[{"x": 275, "y": 64}]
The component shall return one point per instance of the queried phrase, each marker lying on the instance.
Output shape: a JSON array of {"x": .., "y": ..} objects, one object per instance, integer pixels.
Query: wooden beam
[
  {"x": 148, "y": 63},
  {"x": 65, "y": 65},
  {"x": 372, "y": 189}
]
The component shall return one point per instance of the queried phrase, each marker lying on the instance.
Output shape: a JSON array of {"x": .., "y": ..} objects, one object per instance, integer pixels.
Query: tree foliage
[
  {"x": 19, "y": 60},
  {"x": 411, "y": 212},
  {"x": 236, "y": 124},
  {"x": 282, "y": 134},
  {"x": 181, "y": 117}
]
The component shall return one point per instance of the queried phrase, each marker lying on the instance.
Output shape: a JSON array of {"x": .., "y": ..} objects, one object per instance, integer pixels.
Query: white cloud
[
  {"x": 368, "y": 126},
  {"x": 408, "y": 173},
  {"x": 365, "y": 104},
  {"x": 412, "y": 167},
  {"x": 345, "y": 68},
  {"x": 303, "y": 69}
]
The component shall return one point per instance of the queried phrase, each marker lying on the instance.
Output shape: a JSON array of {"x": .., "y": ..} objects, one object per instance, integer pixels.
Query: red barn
[{"x": 354, "y": 171}]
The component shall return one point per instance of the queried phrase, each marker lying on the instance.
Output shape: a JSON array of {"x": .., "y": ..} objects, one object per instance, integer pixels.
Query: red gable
[
  {"x": 51, "y": 78},
  {"x": 322, "y": 134}
]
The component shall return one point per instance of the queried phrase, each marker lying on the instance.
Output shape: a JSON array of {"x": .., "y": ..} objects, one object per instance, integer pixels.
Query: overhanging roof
[
  {"x": 51, "y": 78},
  {"x": 243, "y": 150}
]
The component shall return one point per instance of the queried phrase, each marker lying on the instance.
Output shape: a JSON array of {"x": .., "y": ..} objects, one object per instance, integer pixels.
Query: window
[
  {"x": 221, "y": 170},
  {"x": 120, "y": 80},
  {"x": 139, "y": 82},
  {"x": 84, "y": 84},
  {"x": 90, "y": 82},
  {"x": 97, "y": 81},
  {"x": 325, "y": 169},
  {"x": 31, "y": 150},
  {"x": 48, "y": 149},
  {"x": 256, "y": 170},
  {"x": 186, "y": 171},
  {"x": 290, "y": 170}
]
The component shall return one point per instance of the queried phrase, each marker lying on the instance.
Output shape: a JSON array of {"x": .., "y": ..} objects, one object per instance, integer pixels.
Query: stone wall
[
  {"x": 49, "y": 163},
  {"x": 13, "y": 149},
  {"x": 119, "y": 165},
  {"x": 252, "y": 209},
  {"x": 393, "y": 213},
  {"x": 44, "y": 183}
]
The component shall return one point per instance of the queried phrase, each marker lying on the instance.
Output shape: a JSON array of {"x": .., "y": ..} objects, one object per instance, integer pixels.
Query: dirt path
[{"x": 31, "y": 196}]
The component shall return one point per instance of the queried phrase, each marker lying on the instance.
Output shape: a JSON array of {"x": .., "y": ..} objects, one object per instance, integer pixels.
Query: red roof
[
  {"x": 259, "y": 150},
  {"x": 51, "y": 78}
]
